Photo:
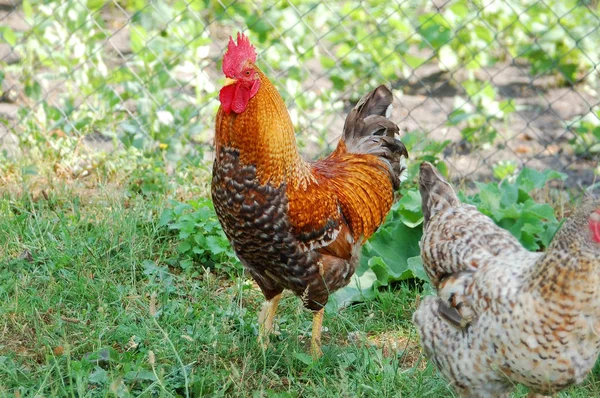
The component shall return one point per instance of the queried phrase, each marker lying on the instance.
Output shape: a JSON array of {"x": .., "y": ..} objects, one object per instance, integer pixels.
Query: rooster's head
[{"x": 242, "y": 78}]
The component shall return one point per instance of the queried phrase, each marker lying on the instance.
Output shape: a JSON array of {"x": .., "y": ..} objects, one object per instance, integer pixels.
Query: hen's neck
[
  {"x": 568, "y": 269},
  {"x": 264, "y": 136}
]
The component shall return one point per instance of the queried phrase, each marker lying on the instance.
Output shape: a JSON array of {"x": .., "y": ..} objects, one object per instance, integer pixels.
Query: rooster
[
  {"x": 294, "y": 224},
  {"x": 504, "y": 315}
]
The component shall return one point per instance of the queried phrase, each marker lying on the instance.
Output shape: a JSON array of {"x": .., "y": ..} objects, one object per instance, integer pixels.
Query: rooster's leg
[
  {"x": 265, "y": 320},
  {"x": 315, "y": 344}
]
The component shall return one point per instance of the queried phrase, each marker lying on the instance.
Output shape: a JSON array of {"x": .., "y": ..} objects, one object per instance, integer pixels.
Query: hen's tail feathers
[
  {"x": 436, "y": 193},
  {"x": 369, "y": 130}
]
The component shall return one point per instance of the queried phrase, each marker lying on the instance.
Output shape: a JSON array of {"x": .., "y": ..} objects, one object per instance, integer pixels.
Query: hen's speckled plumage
[{"x": 505, "y": 315}]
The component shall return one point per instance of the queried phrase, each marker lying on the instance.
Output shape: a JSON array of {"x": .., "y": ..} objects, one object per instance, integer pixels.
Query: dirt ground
[{"x": 535, "y": 135}]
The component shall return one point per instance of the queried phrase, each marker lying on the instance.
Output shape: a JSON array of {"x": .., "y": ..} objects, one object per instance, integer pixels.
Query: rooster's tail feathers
[
  {"x": 436, "y": 193},
  {"x": 369, "y": 130}
]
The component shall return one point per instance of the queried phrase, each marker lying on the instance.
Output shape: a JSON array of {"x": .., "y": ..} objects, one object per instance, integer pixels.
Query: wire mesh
[{"x": 485, "y": 85}]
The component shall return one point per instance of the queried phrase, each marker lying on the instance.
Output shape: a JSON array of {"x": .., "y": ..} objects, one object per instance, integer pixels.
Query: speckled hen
[
  {"x": 294, "y": 224},
  {"x": 504, "y": 315}
]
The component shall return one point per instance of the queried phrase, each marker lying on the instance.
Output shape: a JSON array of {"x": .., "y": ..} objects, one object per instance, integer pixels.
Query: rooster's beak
[{"x": 229, "y": 81}]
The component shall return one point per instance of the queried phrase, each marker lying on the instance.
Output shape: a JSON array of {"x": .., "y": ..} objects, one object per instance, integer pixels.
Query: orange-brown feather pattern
[
  {"x": 298, "y": 225},
  {"x": 363, "y": 187},
  {"x": 272, "y": 132}
]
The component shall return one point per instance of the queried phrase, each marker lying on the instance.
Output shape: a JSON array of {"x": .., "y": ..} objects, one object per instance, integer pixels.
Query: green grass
[
  {"x": 82, "y": 314},
  {"x": 93, "y": 309}
]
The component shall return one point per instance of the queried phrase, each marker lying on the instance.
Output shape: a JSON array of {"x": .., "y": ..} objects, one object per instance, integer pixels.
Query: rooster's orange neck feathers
[{"x": 264, "y": 136}]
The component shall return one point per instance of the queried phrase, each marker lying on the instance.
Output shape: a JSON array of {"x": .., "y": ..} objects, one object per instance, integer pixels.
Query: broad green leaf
[
  {"x": 395, "y": 245},
  {"x": 413, "y": 61},
  {"x": 508, "y": 106},
  {"x": 184, "y": 246},
  {"x": 415, "y": 265},
  {"x": 532, "y": 229},
  {"x": 95, "y": 4},
  {"x": 460, "y": 9},
  {"x": 98, "y": 376},
  {"x": 9, "y": 35},
  {"x": 529, "y": 179},
  {"x": 327, "y": 62},
  {"x": 510, "y": 193},
  {"x": 303, "y": 357},
  {"x": 409, "y": 208},
  {"x": 541, "y": 210},
  {"x": 141, "y": 374},
  {"x": 215, "y": 245},
  {"x": 383, "y": 272},
  {"x": 27, "y": 9},
  {"x": 360, "y": 288}
]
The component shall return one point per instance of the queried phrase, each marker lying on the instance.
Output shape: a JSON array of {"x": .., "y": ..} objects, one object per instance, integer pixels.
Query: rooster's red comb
[{"x": 236, "y": 55}]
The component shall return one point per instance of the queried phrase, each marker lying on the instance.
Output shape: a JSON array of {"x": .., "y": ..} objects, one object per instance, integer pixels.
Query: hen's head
[
  {"x": 582, "y": 227},
  {"x": 242, "y": 78}
]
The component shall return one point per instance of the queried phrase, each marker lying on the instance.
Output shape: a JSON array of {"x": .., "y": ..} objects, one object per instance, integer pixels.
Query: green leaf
[
  {"x": 530, "y": 179},
  {"x": 95, "y": 4},
  {"x": 165, "y": 218},
  {"x": 383, "y": 272},
  {"x": 186, "y": 264},
  {"x": 569, "y": 71},
  {"x": 360, "y": 288},
  {"x": 510, "y": 193},
  {"x": 184, "y": 246},
  {"x": 99, "y": 376},
  {"x": 327, "y": 62},
  {"x": 508, "y": 106},
  {"x": 27, "y": 9},
  {"x": 303, "y": 357},
  {"x": 549, "y": 232},
  {"x": 460, "y": 9},
  {"x": 33, "y": 90},
  {"x": 141, "y": 374},
  {"x": 532, "y": 229},
  {"x": 541, "y": 210},
  {"x": 415, "y": 265},
  {"x": 9, "y": 35},
  {"x": 434, "y": 30},
  {"x": 458, "y": 116},
  {"x": 409, "y": 208},
  {"x": 397, "y": 243},
  {"x": 215, "y": 245},
  {"x": 413, "y": 61}
]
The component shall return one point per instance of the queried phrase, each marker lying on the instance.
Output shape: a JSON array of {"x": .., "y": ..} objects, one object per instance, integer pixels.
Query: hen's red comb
[{"x": 236, "y": 55}]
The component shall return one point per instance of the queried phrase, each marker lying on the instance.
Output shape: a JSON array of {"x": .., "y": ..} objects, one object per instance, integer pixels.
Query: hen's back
[{"x": 457, "y": 238}]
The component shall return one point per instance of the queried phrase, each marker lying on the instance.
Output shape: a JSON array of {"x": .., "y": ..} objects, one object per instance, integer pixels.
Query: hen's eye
[{"x": 248, "y": 72}]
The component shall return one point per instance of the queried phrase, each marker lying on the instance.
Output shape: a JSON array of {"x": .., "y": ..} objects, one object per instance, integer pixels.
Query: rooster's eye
[{"x": 248, "y": 72}]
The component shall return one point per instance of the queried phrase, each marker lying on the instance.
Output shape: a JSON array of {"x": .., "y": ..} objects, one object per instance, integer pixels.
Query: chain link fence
[{"x": 487, "y": 86}]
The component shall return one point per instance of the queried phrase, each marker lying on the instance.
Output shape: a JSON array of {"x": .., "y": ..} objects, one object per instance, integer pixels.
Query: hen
[
  {"x": 294, "y": 224},
  {"x": 504, "y": 315}
]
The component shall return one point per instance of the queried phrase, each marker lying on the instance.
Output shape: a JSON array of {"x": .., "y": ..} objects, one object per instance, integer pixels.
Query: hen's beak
[{"x": 229, "y": 81}]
